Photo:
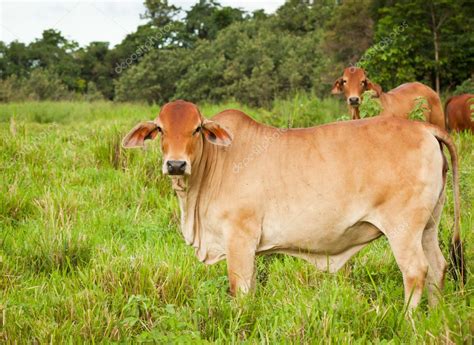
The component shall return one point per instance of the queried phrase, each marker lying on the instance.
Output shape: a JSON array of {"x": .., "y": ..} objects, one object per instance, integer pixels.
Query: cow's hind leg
[
  {"x": 437, "y": 263},
  {"x": 405, "y": 239}
]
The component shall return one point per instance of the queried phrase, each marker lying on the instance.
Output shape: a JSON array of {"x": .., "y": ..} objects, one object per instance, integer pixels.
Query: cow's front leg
[
  {"x": 242, "y": 239},
  {"x": 241, "y": 263}
]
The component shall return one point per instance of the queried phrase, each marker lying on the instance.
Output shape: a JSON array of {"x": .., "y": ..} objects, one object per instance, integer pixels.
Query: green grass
[{"x": 90, "y": 249}]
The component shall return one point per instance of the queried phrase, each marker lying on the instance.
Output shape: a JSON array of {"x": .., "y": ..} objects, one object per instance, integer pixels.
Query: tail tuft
[{"x": 457, "y": 259}]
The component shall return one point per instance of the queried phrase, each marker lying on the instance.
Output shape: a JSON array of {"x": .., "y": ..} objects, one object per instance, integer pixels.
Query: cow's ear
[
  {"x": 216, "y": 134},
  {"x": 141, "y": 132},
  {"x": 337, "y": 87},
  {"x": 374, "y": 87}
]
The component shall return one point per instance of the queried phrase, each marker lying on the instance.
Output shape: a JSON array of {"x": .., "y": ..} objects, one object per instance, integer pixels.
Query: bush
[
  {"x": 370, "y": 106},
  {"x": 466, "y": 86},
  {"x": 11, "y": 89},
  {"x": 154, "y": 79},
  {"x": 45, "y": 85},
  {"x": 418, "y": 111},
  {"x": 303, "y": 110},
  {"x": 93, "y": 94},
  {"x": 41, "y": 85},
  {"x": 248, "y": 61}
]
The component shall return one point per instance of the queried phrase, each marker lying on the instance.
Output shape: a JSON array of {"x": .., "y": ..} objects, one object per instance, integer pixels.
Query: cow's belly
[
  {"x": 327, "y": 249},
  {"x": 318, "y": 239}
]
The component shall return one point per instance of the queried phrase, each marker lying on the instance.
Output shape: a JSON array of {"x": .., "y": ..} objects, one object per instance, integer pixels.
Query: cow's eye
[
  {"x": 344, "y": 81},
  {"x": 159, "y": 129},
  {"x": 197, "y": 130}
]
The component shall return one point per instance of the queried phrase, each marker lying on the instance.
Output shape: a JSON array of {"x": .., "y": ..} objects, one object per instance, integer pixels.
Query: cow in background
[
  {"x": 459, "y": 113},
  {"x": 398, "y": 102}
]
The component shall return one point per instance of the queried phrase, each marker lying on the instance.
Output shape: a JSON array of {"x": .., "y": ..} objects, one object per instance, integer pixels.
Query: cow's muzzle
[
  {"x": 354, "y": 101},
  {"x": 176, "y": 167}
]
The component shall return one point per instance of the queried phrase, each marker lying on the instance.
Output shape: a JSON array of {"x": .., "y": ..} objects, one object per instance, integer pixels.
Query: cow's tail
[
  {"x": 457, "y": 254},
  {"x": 446, "y": 120}
]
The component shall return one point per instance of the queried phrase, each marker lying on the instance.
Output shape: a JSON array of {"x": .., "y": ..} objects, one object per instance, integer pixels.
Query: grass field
[{"x": 90, "y": 249}]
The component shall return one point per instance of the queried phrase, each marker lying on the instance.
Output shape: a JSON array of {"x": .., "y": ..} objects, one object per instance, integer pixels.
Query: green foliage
[
  {"x": 203, "y": 77},
  {"x": 347, "y": 46},
  {"x": 93, "y": 93},
  {"x": 344, "y": 117},
  {"x": 45, "y": 85},
  {"x": 467, "y": 86},
  {"x": 15, "y": 60},
  {"x": 219, "y": 53},
  {"x": 42, "y": 84},
  {"x": 302, "y": 110},
  {"x": 160, "y": 12},
  {"x": 419, "y": 109},
  {"x": 90, "y": 249},
  {"x": 206, "y": 18},
  {"x": 10, "y": 89},
  {"x": 300, "y": 17},
  {"x": 262, "y": 65},
  {"x": 54, "y": 53},
  {"x": 150, "y": 82},
  {"x": 370, "y": 105},
  {"x": 405, "y": 39},
  {"x": 93, "y": 61}
]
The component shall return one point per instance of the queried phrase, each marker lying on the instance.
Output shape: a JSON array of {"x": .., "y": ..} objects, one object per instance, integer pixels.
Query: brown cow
[
  {"x": 459, "y": 113},
  {"x": 245, "y": 188},
  {"x": 397, "y": 102}
]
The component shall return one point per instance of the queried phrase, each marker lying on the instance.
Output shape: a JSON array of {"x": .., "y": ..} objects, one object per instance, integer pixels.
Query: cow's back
[{"x": 399, "y": 102}]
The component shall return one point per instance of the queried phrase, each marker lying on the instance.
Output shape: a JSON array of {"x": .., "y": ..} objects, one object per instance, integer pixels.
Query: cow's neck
[
  {"x": 187, "y": 198},
  {"x": 189, "y": 192},
  {"x": 355, "y": 114}
]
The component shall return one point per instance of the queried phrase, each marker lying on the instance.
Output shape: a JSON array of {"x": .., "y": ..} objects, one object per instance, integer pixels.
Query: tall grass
[{"x": 90, "y": 249}]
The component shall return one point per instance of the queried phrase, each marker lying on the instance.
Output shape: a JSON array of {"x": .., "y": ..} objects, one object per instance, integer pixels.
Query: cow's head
[
  {"x": 182, "y": 129},
  {"x": 353, "y": 84}
]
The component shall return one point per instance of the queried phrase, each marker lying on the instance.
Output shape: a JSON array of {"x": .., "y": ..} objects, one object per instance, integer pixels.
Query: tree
[
  {"x": 217, "y": 52},
  {"x": 45, "y": 85},
  {"x": 56, "y": 54},
  {"x": 160, "y": 12},
  {"x": 204, "y": 79},
  {"x": 302, "y": 16},
  {"x": 349, "y": 32},
  {"x": 207, "y": 17},
  {"x": 426, "y": 40},
  {"x": 94, "y": 67},
  {"x": 15, "y": 60},
  {"x": 11, "y": 89},
  {"x": 154, "y": 79}
]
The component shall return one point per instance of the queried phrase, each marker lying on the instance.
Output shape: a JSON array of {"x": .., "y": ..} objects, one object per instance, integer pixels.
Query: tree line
[{"x": 214, "y": 53}]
